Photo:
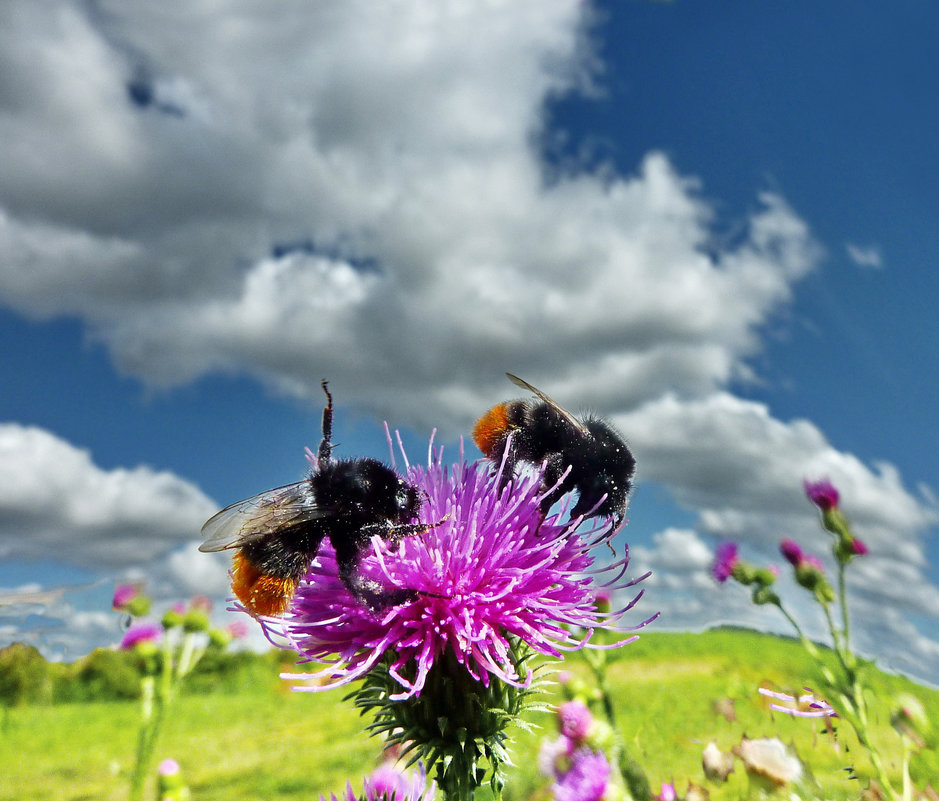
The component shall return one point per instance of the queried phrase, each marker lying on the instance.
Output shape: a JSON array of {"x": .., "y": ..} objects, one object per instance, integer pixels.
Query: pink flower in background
[
  {"x": 123, "y": 595},
  {"x": 725, "y": 560},
  {"x": 587, "y": 778},
  {"x": 822, "y": 493},
  {"x": 141, "y": 633},
  {"x": 387, "y": 783},
  {"x": 574, "y": 720},
  {"x": 791, "y": 551}
]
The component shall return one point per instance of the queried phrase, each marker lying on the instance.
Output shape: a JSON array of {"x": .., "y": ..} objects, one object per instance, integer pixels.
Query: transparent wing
[
  {"x": 519, "y": 382},
  {"x": 254, "y": 518}
]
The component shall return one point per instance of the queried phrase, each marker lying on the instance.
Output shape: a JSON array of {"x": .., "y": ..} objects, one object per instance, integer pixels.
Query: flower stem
[
  {"x": 633, "y": 775},
  {"x": 843, "y": 600}
]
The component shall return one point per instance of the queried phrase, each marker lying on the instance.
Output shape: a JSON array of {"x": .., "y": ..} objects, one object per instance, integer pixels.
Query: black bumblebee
[
  {"x": 278, "y": 533},
  {"x": 543, "y": 432}
]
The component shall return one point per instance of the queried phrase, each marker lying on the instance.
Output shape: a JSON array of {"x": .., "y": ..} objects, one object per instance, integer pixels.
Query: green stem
[
  {"x": 843, "y": 600},
  {"x": 633, "y": 775},
  {"x": 155, "y": 699},
  {"x": 806, "y": 642},
  {"x": 143, "y": 738},
  {"x": 861, "y": 729},
  {"x": 456, "y": 785}
]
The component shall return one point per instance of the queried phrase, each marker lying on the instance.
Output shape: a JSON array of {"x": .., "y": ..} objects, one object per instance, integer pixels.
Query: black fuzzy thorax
[
  {"x": 358, "y": 498},
  {"x": 599, "y": 461}
]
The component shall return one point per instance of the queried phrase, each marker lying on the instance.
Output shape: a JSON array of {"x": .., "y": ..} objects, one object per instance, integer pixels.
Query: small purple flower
[
  {"x": 791, "y": 551},
  {"x": 667, "y": 793},
  {"x": 725, "y": 560},
  {"x": 587, "y": 778},
  {"x": 554, "y": 756},
  {"x": 123, "y": 595},
  {"x": 491, "y": 570},
  {"x": 808, "y": 560},
  {"x": 168, "y": 767},
  {"x": 238, "y": 629},
  {"x": 574, "y": 720},
  {"x": 141, "y": 633},
  {"x": 822, "y": 493},
  {"x": 129, "y": 598},
  {"x": 858, "y": 547}
]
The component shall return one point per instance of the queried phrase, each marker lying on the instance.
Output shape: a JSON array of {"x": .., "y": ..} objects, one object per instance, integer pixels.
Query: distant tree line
[{"x": 108, "y": 674}]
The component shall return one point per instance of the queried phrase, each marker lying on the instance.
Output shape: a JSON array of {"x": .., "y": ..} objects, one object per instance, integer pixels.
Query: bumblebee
[
  {"x": 277, "y": 534},
  {"x": 600, "y": 465}
]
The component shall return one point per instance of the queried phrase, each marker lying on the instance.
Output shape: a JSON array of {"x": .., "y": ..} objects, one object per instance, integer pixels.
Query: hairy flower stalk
[
  {"x": 842, "y": 682},
  {"x": 490, "y": 586}
]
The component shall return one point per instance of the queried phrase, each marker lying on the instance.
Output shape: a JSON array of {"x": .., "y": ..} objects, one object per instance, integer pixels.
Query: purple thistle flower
[
  {"x": 667, "y": 793},
  {"x": 123, "y": 595},
  {"x": 554, "y": 756},
  {"x": 858, "y": 547},
  {"x": 168, "y": 767},
  {"x": 725, "y": 560},
  {"x": 141, "y": 633},
  {"x": 822, "y": 493},
  {"x": 492, "y": 569},
  {"x": 791, "y": 551},
  {"x": 587, "y": 778},
  {"x": 808, "y": 560},
  {"x": 389, "y": 784},
  {"x": 574, "y": 720}
]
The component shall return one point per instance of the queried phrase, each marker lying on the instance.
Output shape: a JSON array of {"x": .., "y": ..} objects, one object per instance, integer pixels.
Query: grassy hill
[{"x": 249, "y": 737}]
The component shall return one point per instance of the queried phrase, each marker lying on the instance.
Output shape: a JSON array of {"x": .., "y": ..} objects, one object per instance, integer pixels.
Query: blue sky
[{"x": 713, "y": 223}]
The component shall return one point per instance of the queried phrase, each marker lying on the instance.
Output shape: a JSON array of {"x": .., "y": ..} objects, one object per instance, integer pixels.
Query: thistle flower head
[
  {"x": 490, "y": 572},
  {"x": 130, "y": 598},
  {"x": 725, "y": 560},
  {"x": 387, "y": 783},
  {"x": 858, "y": 547},
  {"x": 587, "y": 778},
  {"x": 574, "y": 720},
  {"x": 667, "y": 793},
  {"x": 141, "y": 634},
  {"x": 822, "y": 493},
  {"x": 791, "y": 552}
]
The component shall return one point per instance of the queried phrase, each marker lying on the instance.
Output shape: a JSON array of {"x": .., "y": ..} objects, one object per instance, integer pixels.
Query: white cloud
[
  {"x": 868, "y": 257},
  {"x": 741, "y": 471},
  {"x": 55, "y": 501},
  {"x": 394, "y": 148}
]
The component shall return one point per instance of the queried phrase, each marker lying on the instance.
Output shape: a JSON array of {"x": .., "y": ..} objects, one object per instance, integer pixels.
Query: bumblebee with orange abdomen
[
  {"x": 599, "y": 463},
  {"x": 278, "y": 533}
]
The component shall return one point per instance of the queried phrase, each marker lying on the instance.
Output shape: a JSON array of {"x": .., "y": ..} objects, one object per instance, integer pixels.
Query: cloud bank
[{"x": 357, "y": 190}]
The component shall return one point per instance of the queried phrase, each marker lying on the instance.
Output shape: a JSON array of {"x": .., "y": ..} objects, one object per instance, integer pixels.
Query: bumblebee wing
[
  {"x": 254, "y": 518},
  {"x": 577, "y": 424}
]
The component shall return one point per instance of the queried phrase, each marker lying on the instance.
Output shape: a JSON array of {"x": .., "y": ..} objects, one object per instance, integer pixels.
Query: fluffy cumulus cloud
[
  {"x": 356, "y": 190},
  {"x": 54, "y": 499},
  {"x": 741, "y": 471},
  {"x": 114, "y": 525},
  {"x": 328, "y": 189}
]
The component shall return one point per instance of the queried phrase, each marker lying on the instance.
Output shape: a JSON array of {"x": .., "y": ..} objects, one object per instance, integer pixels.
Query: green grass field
[{"x": 253, "y": 739}]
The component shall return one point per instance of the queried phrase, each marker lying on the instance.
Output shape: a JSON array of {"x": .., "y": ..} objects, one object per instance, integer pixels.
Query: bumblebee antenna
[{"x": 326, "y": 448}]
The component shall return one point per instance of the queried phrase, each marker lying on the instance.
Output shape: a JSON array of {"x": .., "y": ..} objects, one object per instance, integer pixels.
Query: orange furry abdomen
[
  {"x": 262, "y": 594},
  {"x": 491, "y": 429}
]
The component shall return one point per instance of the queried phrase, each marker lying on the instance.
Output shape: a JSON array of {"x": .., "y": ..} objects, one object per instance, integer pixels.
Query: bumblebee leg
[{"x": 394, "y": 534}]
